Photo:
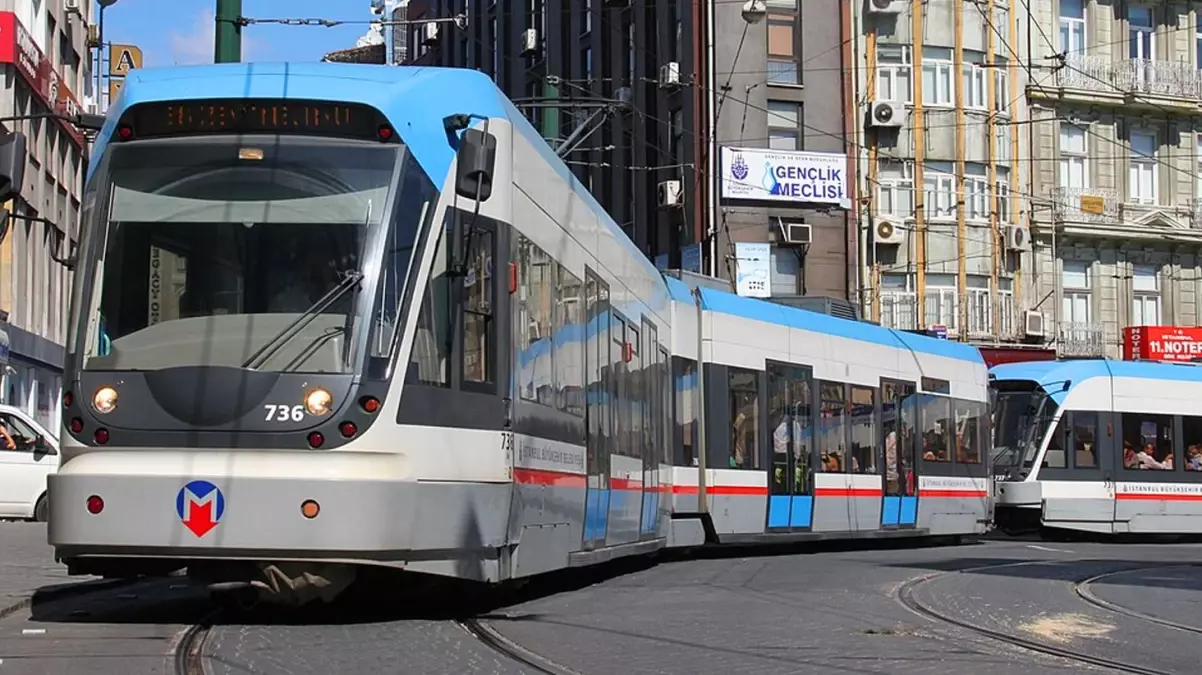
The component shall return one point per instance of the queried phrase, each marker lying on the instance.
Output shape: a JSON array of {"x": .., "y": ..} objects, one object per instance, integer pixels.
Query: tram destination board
[{"x": 248, "y": 116}]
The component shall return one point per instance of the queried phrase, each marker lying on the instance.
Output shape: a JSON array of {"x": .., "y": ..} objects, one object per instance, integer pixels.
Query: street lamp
[
  {"x": 754, "y": 11},
  {"x": 100, "y": 48}
]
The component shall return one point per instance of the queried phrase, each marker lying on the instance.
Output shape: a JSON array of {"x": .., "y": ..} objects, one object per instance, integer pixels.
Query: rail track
[
  {"x": 1082, "y": 589},
  {"x": 907, "y": 597}
]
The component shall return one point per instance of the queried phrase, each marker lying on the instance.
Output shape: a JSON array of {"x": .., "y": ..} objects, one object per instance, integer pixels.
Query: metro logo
[{"x": 200, "y": 506}]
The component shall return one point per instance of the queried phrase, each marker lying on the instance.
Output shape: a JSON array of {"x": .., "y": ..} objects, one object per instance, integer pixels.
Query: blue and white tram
[
  {"x": 821, "y": 427},
  {"x": 333, "y": 315},
  {"x": 1100, "y": 446}
]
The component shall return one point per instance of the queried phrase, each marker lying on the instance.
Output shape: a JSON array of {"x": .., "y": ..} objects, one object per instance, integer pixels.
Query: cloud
[{"x": 195, "y": 46}]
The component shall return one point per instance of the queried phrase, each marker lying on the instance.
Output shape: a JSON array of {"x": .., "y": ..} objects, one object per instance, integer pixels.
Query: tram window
[
  {"x": 890, "y": 410},
  {"x": 1055, "y": 457},
  {"x": 779, "y": 422},
  {"x": 863, "y": 430},
  {"x": 620, "y": 395},
  {"x": 633, "y": 408},
  {"x": 936, "y": 386},
  {"x": 831, "y": 408},
  {"x": 936, "y": 427},
  {"x": 970, "y": 431},
  {"x": 1191, "y": 432},
  {"x": 1083, "y": 439},
  {"x": 685, "y": 381},
  {"x": 1147, "y": 442},
  {"x": 535, "y": 317},
  {"x": 569, "y": 348},
  {"x": 603, "y": 368},
  {"x": 429, "y": 363},
  {"x": 744, "y": 419},
  {"x": 477, "y": 308}
]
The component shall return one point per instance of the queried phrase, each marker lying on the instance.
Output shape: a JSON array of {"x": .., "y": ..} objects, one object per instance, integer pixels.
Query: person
[{"x": 309, "y": 277}]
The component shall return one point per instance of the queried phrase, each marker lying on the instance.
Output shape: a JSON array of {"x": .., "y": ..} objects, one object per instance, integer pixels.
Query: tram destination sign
[{"x": 248, "y": 116}]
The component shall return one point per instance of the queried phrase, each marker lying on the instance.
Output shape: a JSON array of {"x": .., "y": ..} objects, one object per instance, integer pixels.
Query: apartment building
[
  {"x": 43, "y": 49},
  {"x": 777, "y": 84},
  {"x": 1117, "y": 147},
  {"x": 942, "y": 122}
]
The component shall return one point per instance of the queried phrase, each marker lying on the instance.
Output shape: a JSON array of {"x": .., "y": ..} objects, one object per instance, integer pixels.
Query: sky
[{"x": 180, "y": 32}]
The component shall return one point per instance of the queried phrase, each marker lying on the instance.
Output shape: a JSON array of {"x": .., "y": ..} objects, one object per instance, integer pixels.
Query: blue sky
[{"x": 181, "y": 31}]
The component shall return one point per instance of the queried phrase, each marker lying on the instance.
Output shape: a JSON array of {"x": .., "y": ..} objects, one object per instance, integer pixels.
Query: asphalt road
[{"x": 834, "y": 611}]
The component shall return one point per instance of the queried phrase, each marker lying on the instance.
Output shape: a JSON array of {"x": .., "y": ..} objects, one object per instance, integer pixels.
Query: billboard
[
  {"x": 763, "y": 175},
  {"x": 1162, "y": 343},
  {"x": 753, "y": 264}
]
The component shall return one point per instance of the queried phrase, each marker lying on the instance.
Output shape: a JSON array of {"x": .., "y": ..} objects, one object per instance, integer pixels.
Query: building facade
[
  {"x": 1117, "y": 151},
  {"x": 43, "y": 50},
  {"x": 941, "y": 126},
  {"x": 642, "y": 64},
  {"x": 781, "y": 85}
]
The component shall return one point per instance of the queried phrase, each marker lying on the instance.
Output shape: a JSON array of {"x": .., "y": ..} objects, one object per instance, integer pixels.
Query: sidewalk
[{"x": 27, "y": 562}]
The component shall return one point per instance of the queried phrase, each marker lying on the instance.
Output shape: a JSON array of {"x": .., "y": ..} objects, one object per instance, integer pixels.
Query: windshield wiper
[{"x": 280, "y": 339}]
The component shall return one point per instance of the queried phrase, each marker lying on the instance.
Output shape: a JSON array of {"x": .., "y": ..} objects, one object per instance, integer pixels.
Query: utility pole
[{"x": 228, "y": 47}]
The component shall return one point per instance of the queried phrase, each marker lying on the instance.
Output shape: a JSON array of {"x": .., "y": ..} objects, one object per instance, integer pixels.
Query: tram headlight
[
  {"x": 318, "y": 402},
  {"x": 105, "y": 400}
]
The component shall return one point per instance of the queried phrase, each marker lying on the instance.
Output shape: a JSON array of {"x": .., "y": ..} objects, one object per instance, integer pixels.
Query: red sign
[
  {"x": 18, "y": 48},
  {"x": 1162, "y": 343}
]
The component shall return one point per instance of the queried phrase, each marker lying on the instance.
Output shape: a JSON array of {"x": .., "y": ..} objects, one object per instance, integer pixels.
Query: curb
[{"x": 62, "y": 592}]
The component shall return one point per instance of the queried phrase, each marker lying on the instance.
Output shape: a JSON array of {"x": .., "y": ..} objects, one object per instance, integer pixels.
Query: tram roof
[
  {"x": 794, "y": 317},
  {"x": 414, "y": 99},
  {"x": 1076, "y": 371}
]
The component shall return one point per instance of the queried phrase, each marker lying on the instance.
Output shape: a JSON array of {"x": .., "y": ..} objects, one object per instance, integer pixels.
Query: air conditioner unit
[
  {"x": 1017, "y": 238},
  {"x": 1033, "y": 323},
  {"x": 888, "y": 232},
  {"x": 529, "y": 41},
  {"x": 885, "y": 114},
  {"x": 886, "y": 6},
  {"x": 71, "y": 6},
  {"x": 669, "y": 75},
  {"x": 429, "y": 33},
  {"x": 796, "y": 234},
  {"x": 669, "y": 193}
]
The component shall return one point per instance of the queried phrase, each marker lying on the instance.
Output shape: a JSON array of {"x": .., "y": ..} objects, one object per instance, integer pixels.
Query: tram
[
  {"x": 332, "y": 315},
  {"x": 1098, "y": 446}
]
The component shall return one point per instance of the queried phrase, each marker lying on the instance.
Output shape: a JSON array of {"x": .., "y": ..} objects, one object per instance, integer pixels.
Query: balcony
[
  {"x": 1075, "y": 338},
  {"x": 1085, "y": 205},
  {"x": 1175, "y": 82}
]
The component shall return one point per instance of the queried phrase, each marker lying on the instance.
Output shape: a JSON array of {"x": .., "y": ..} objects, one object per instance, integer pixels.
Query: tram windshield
[
  {"x": 241, "y": 252},
  {"x": 1022, "y": 414}
]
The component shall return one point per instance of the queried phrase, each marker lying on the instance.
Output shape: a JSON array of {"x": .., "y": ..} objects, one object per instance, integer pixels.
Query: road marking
[
  {"x": 1047, "y": 548},
  {"x": 34, "y": 631}
]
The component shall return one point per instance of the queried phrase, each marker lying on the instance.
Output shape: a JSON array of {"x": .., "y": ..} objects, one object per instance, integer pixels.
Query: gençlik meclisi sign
[{"x": 758, "y": 175}]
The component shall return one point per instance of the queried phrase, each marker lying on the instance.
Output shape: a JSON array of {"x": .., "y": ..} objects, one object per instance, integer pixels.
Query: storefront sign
[
  {"x": 757, "y": 175},
  {"x": 18, "y": 48},
  {"x": 1162, "y": 343}
]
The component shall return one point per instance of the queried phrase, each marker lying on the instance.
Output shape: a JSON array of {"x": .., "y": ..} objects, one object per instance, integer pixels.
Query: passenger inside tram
[{"x": 1193, "y": 458}]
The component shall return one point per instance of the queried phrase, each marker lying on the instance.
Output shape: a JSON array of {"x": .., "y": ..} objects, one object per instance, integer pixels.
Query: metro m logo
[{"x": 200, "y": 506}]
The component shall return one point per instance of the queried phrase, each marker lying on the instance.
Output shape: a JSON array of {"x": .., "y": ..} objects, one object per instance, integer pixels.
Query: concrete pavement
[{"x": 27, "y": 562}]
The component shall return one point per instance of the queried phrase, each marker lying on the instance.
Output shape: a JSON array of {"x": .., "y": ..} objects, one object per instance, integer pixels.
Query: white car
[{"x": 23, "y": 469}]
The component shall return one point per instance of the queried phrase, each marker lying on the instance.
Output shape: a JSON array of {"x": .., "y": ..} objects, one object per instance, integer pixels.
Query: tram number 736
[{"x": 284, "y": 413}]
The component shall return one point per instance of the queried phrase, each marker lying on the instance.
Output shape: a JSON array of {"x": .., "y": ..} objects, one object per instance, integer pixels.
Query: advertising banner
[
  {"x": 762, "y": 175},
  {"x": 18, "y": 48},
  {"x": 753, "y": 265}
]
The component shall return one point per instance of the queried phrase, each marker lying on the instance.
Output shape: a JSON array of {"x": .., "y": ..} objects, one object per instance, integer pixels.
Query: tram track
[
  {"x": 495, "y": 641},
  {"x": 906, "y": 596},
  {"x": 1082, "y": 589}
]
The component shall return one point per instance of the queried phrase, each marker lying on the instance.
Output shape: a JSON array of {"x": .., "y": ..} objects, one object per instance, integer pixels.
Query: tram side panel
[
  {"x": 1073, "y": 482},
  {"x": 954, "y": 495},
  {"x": 1155, "y": 412}
]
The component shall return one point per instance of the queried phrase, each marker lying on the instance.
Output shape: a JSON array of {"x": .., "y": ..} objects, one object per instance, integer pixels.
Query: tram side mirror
[
  {"x": 12, "y": 165},
  {"x": 477, "y": 159},
  {"x": 89, "y": 121}
]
